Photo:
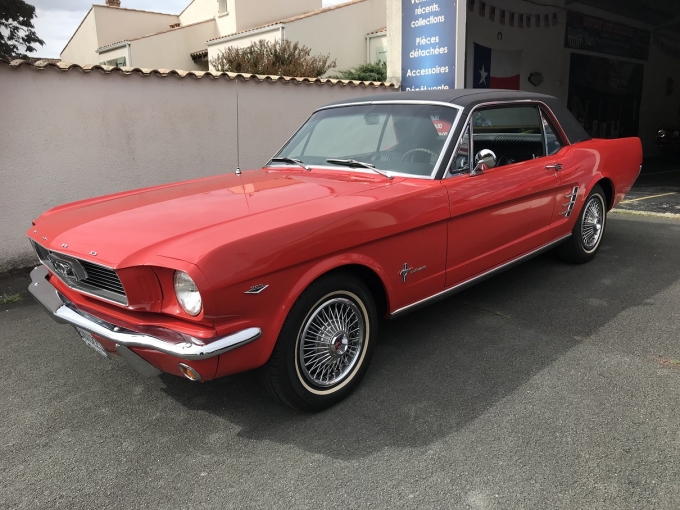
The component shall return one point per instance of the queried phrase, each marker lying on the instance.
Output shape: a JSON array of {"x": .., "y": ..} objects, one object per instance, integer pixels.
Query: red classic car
[{"x": 372, "y": 209}]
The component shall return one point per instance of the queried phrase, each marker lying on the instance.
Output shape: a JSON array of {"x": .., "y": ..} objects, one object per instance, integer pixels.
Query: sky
[{"x": 58, "y": 19}]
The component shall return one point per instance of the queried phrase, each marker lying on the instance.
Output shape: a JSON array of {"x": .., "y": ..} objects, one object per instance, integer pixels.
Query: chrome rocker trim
[
  {"x": 476, "y": 279},
  {"x": 65, "y": 313}
]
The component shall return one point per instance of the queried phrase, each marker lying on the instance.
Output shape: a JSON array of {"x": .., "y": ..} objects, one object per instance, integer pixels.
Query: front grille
[
  {"x": 87, "y": 277},
  {"x": 102, "y": 277}
]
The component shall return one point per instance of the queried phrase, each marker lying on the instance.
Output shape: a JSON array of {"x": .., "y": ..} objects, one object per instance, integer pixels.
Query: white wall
[
  {"x": 172, "y": 49},
  {"x": 254, "y": 13},
  {"x": 198, "y": 10},
  {"x": 115, "y": 25},
  {"x": 226, "y": 22},
  {"x": 81, "y": 49},
  {"x": 70, "y": 135},
  {"x": 322, "y": 33}
]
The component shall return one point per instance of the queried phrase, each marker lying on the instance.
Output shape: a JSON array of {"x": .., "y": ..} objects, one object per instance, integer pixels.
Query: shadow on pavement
[{"x": 438, "y": 369}]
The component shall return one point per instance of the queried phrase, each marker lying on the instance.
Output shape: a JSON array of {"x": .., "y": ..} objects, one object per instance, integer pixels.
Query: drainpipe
[{"x": 129, "y": 54}]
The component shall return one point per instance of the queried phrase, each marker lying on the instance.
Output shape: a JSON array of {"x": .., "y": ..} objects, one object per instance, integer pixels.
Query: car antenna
[{"x": 238, "y": 148}]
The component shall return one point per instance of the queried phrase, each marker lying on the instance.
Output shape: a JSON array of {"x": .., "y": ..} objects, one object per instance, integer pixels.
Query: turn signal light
[{"x": 189, "y": 372}]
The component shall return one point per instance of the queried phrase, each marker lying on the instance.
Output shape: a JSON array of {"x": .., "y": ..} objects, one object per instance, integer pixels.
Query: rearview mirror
[
  {"x": 484, "y": 160},
  {"x": 372, "y": 119}
]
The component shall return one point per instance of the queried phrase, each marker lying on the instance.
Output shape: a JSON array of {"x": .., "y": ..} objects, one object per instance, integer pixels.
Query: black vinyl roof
[{"x": 469, "y": 98}]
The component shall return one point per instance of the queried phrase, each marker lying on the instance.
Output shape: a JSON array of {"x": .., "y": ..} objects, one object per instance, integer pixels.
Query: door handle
[{"x": 557, "y": 167}]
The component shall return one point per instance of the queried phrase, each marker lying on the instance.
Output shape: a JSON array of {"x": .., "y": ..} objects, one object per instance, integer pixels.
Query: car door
[
  {"x": 502, "y": 212},
  {"x": 569, "y": 164}
]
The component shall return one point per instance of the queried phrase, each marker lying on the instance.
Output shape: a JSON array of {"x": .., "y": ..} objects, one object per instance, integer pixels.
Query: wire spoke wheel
[
  {"x": 331, "y": 342},
  {"x": 592, "y": 223}
]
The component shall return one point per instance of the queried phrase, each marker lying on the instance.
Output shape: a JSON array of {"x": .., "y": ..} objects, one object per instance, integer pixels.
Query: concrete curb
[{"x": 646, "y": 213}]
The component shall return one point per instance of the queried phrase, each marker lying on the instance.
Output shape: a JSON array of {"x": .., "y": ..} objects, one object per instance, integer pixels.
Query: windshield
[{"x": 403, "y": 138}]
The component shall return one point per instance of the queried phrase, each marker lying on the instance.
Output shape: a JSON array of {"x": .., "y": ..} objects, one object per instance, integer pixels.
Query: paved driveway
[
  {"x": 550, "y": 386},
  {"x": 657, "y": 189}
]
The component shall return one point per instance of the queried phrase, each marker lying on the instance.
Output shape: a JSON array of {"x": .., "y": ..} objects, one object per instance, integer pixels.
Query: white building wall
[
  {"x": 199, "y": 10},
  {"x": 226, "y": 22},
  {"x": 347, "y": 45},
  {"x": 81, "y": 49},
  {"x": 255, "y": 13},
  {"x": 115, "y": 25},
  {"x": 171, "y": 50}
]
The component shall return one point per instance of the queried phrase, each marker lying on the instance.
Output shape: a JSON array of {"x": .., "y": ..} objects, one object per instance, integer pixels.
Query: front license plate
[{"x": 91, "y": 342}]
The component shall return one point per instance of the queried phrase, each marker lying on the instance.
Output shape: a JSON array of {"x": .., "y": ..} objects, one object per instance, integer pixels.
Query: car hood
[{"x": 132, "y": 228}]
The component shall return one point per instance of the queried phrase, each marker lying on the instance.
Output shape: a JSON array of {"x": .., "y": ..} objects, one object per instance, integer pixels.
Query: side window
[
  {"x": 513, "y": 133},
  {"x": 553, "y": 144}
]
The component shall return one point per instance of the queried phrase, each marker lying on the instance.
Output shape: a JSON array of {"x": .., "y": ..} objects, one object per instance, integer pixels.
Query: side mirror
[{"x": 484, "y": 160}]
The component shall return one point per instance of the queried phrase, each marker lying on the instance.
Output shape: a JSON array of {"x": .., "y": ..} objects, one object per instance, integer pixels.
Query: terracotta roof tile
[
  {"x": 384, "y": 29},
  {"x": 88, "y": 68}
]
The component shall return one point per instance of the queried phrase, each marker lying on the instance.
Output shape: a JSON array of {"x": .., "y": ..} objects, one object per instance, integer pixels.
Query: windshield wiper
[
  {"x": 361, "y": 164},
  {"x": 291, "y": 160}
]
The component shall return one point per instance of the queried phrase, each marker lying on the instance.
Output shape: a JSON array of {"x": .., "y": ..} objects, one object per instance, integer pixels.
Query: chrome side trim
[
  {"x": 66, "y": 313},
  {"x": 391, "y": 101},
  {"x": 476, "y": 279},
  {"x": 572, "y": 202}
]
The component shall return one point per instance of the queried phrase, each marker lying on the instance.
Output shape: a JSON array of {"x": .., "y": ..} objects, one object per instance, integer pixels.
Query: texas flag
[{"x": 496, "y": 69}]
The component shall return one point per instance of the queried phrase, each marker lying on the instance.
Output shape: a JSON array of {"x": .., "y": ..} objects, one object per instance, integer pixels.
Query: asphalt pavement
[
  {"x": 551, "y": 386},
  {"x": 657, "y": 189}
]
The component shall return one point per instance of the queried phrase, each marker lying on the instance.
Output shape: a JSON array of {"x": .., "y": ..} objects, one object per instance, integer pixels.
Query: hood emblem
[
  {"x": 256, "y": 289},
  {"x": 409, "y": 270},
  {"x": 64, "y": 268}
]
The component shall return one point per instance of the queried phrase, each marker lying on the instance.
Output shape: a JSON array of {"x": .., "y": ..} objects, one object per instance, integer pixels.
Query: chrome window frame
[
  {"x": 442, "y": 153},
  {"x": 547, "y": 120},
  {"x": 540, "y": 104}
]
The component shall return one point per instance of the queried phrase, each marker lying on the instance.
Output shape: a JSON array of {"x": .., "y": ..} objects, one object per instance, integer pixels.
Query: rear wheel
[
  {"x": 325, "y": 344},
  {"x": 588, "y": 231}
]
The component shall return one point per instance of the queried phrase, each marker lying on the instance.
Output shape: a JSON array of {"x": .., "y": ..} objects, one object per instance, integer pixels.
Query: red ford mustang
[{"x": 372, "y": 209}]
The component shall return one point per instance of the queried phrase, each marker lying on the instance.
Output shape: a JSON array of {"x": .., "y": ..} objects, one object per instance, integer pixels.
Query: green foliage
[
  {"x": 274, "y": 58},
  {"x": 6, "y": 299},
  {"x": 16, "y": 29},
  {"x": 365, "y": 72}
]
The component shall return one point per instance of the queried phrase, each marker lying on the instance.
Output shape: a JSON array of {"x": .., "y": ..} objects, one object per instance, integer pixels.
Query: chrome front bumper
[{"x": 64, "y": 312}]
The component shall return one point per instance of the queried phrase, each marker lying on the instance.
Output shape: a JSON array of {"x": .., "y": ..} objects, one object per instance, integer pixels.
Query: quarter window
[{"x": 552, "y": 141}]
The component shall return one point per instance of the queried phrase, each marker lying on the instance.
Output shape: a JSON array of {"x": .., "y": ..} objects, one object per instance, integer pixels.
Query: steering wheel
[{"x": 419, "y": 149}]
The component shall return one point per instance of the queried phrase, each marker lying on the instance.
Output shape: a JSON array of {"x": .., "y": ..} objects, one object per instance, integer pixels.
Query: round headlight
[
  {"x": 661, "y": 133},
  {"x": 187, "y": 293}
]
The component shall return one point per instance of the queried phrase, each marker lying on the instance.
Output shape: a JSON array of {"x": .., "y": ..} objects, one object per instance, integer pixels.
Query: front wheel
[
  {"x": 587, "y": 233},
  {"x": 325, "y": 345}
]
